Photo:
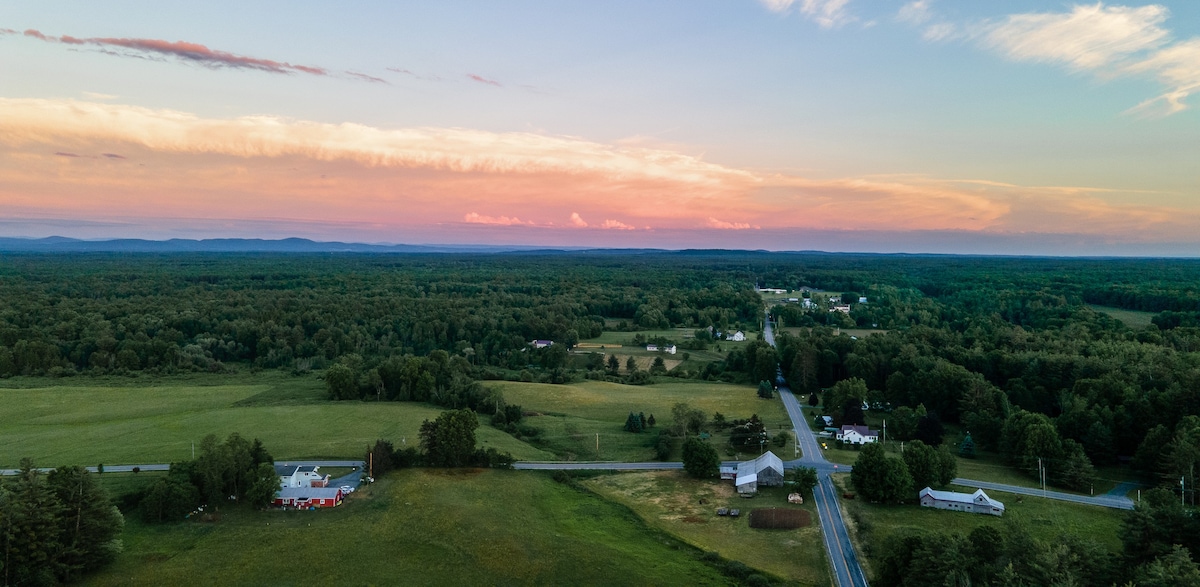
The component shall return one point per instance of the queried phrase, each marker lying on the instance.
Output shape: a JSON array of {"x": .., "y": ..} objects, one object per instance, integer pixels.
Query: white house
[
  {"x": 541, "y": 344},
  {"x": 857, "y": 434},
  {"x": 738, "y": 336},
  {"x": 976, "y": 503},
  {"x": 300, "y": 476},
  {"x": 862, "y": 299},
  {"x": 670, "y": 349},
  {"x": 766, "y": 470},
  {"x": 808, "y": 304},
  {"x": 843, "y": 308},
  {"x": 772, "y": 290},
  {"x": 652, "y": 347}
]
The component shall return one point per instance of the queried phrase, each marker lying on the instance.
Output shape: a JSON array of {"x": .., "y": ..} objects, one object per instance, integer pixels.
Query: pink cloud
[
  {"x": 616, "y": 225},
  {"x": 366, "y": 78},
  {"x": 186, "y": 51},
  {"x": 484, "y": 80},
  {"x": 474, "y": 218},
  {"x": 576, "y": 220},
  {"x": 722, "y": 225}
]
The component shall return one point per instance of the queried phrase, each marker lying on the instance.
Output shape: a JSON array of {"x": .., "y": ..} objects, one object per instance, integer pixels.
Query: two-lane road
[{"x": 843, "y": 560}]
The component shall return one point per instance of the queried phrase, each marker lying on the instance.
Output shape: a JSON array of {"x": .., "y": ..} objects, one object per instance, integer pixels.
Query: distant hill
[{"x": 58, "y": 244}]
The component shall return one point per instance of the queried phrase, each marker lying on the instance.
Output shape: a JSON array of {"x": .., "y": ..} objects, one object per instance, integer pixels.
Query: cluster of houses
[{"x": 303, "y": 487}]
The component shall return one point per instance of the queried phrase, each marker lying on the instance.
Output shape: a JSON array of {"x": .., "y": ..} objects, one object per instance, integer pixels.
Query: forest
[{"x": 1027, "y": 355}]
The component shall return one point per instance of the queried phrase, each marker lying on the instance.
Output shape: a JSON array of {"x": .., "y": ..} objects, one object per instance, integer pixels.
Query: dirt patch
[
  {"x": 694, "y": 520},
  {"x": 779, "y": 518}
]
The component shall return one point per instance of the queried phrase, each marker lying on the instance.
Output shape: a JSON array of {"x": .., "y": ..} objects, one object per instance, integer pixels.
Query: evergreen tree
[
  {"x": 967, "y": 448},
  {"x": 631, "y": 364},
  {"x": 30, "y": 531},
  {"x": 614, "y": 365},
  {"x": 633, "y": 423},
  {"x": 650, "y": 421},
  {"x": 765, "y": 390},
  {"x": 90, "y": 525}
]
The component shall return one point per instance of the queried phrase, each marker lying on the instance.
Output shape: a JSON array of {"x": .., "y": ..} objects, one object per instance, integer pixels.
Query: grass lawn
[
  {"x": 1044, "y": 519},
  {"x": 90, "y": 422},
  {"x": 418, "y": 527},
  {"x": 573, "y": 414},
  {"x": 670, "y": 500},
  {"x": 1132, "y": 318}
]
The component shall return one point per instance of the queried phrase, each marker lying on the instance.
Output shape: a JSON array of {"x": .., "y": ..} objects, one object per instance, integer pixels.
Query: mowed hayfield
[
  {"x": 574, "y": 417},
  {"x": 671, "y": 500},
  {"x": 419, "y": 527},
  {"x": 113, "y": 423}
]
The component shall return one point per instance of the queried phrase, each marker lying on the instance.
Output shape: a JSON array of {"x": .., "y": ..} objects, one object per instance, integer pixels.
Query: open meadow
[
  {"x": 418, "y": 527},
  {"x": 1044, "y": 519},
  {"x": 572, "y": 415},
  {"x": 135, "y": 421},
  {"x": 671, "y": 501},
  {"x": 1131, "y": 318}
]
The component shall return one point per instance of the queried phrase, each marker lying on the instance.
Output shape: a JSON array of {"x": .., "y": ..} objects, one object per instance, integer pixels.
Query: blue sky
[{"x": 930, "y": 126}]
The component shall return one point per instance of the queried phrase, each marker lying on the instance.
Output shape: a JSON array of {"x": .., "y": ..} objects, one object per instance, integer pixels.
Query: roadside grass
[
  {"x": 1047, "y": 520},
  {"x": 82, "y": 422},
  {"x": 859, "y": 332},
  {"x": 572, "y": 415},
  {"x": 670, "y": 500},
  {"x": 1132, "y": 318},
  {"x": 418, "y": 527}
]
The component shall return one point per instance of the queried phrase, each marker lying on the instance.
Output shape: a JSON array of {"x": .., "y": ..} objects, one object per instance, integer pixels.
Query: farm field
[
  {"x": 573, "y": 414},
  {"x": 671, "y": 501},
  {"x": 113, "y": 422},
  {"x": 418, "y": 527},
  {"x": 1132, "y": 318},
  {"x": 1044, "y": 519}
]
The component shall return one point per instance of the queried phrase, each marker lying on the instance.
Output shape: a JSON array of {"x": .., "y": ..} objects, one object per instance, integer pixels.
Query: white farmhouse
[
  {"x": 300, "y": 476},
  {"x": 738, "y": 336},
  {"x": 857, "y": 434}
]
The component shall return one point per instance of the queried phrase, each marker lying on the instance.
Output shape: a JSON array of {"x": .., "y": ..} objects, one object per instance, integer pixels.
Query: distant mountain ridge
[{"x": 59, "y": 244}]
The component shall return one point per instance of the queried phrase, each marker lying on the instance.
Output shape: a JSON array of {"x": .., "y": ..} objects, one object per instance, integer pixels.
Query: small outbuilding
[{"x": 975, "y": 503}]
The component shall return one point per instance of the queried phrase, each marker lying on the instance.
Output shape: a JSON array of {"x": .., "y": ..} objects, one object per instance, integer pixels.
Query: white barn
[
  {"x": 976, "y": 503},
  {"x": 766, "y": 470}
]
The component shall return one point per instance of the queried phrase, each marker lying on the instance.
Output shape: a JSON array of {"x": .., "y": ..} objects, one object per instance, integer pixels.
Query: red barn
[{"x": 306, "y": 497}]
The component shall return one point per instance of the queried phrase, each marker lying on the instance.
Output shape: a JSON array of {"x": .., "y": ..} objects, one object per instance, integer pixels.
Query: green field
[
  {"x": 1132, "y": 318},
  {"x": 418, "y": 527},
  {"x": 1044, "y": 519},
  {"x": 87, "y": 423},
  {"x": 670, "y": 500},
  {"x": 573, "y": 415}
]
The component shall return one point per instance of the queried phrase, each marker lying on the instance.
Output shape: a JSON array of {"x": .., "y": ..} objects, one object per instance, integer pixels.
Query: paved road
[{"x": 843, "y": 559}]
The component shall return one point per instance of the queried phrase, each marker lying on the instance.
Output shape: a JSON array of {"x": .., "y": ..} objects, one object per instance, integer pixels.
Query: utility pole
[
  {"x": 597, "y": 444},
  {"x": 1182, "y": 491}
]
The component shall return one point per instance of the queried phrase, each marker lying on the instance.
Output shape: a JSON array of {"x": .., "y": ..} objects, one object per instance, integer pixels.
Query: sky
[{"x": 927, "y": 126}]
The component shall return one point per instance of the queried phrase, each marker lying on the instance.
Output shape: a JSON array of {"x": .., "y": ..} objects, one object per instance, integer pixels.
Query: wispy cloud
[
  {"x": 366, "y": 78},
  {"x": 473, "y": 218},
  {"x": 1086, "y": 38},
  {"x": 185, "y": 51},
  {"x": 826, "y": 13},
  {"x": 1107, "y": 41},
  {"x": 915, "y": 12},
  {"x": 722, "y": 225},
  {"x": 66, "y": 154},
  {"x": 484, "y": 80},
  {"x": 99, "y": 96}
]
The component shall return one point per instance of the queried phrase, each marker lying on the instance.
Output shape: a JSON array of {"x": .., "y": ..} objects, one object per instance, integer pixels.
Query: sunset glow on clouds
[{"x": 120, "y": 160}]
